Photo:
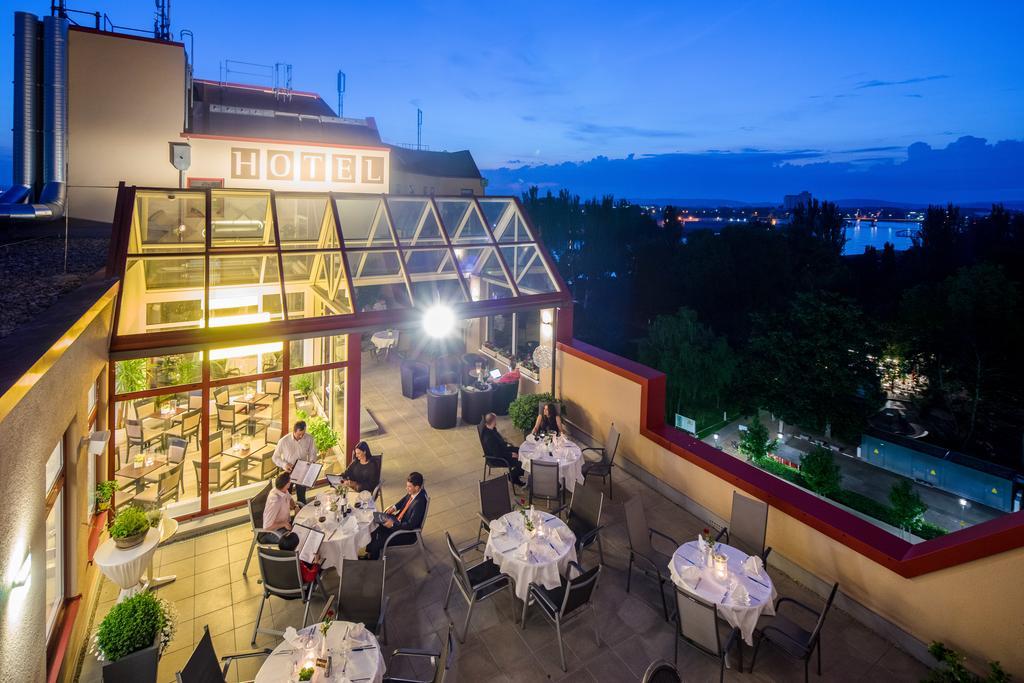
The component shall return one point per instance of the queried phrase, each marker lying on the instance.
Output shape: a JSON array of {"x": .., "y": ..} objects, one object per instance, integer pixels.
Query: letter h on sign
[{"x": 245, "y": 163}]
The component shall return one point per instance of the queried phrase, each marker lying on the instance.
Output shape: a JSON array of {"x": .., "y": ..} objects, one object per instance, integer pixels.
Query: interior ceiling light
[{"x": 438, "y": 321}]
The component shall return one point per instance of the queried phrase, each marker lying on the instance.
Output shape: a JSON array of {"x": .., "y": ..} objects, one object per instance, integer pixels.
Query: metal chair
[
  {"x": 361, "y": 596},
  {"x": 282, "y": 578},
  {"x": 661, "y": 671},
  {"x": 603, "y": 467},
  {"x": 545, "y": 483},
  {"x": 440, "y": 660},
  {"x": 697, "y": 623},
  {"x": 476, "y": 583},
  {"x": 748, "y": 526},
  {"x": 405, "y": 533},
  {"x": 163, "y": 491},
  {"x": 204, "y": 666},
  {"x": 584, "y": 518},
  {"x": 641, "y": 548},
  {"x": 256, "y": 505},
  {"x": 494, "y": 503},
  {"x": 490, "y": 464},
  {"x": 566, "y": 602},
  {"x": 378, "y": 490},
  {"x": 793, "y": 639}
]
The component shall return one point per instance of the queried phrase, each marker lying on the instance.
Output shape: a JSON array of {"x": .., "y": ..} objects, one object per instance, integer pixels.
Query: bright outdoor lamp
[{"x": 438, "y": 321}]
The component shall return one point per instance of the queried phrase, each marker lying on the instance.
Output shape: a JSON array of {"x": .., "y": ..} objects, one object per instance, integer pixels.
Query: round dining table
[
  {"x": 125, "y": 566},
  {"x": 354, "y": 652},
  {"x": 540, "y": 556},
  {"x": 384, "y": 339},
  {"x": 567, "y": 454},
  {"x": 690, "y": 572},
  {"x": 344, "y": 536}
]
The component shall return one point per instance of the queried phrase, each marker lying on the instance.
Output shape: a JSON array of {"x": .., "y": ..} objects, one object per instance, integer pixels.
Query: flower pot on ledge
[{"x": 131, "y": 541}]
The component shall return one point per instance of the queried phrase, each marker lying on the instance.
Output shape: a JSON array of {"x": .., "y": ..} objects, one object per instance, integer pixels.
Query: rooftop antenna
[
  {"x": 341, "y": 94},
  {"x": 162, "y": 22},
  {"x": 419, "y": 128}
]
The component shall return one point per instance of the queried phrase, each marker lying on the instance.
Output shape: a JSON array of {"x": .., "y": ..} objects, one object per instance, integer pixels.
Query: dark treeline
[{"x": 756, "y": 316}]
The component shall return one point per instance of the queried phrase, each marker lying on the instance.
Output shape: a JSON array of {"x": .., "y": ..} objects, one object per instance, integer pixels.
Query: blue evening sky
[{"x": 544, "y": 83}]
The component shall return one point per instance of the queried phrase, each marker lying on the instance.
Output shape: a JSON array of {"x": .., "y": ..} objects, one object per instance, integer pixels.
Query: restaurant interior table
[
  {"x": 540, "y": 556},
  {"x": 383, "y": 340},
  {"x": 354, "y": 652},
  {"x": 690, "y": 572},
  {"x": 151, "y": 467},
  {"x": 345, "y": 538},
  {"x": 567, "y": 454}
]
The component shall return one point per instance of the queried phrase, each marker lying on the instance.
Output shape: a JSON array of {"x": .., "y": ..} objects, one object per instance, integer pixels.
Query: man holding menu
[{"x": 292, "y": 448}]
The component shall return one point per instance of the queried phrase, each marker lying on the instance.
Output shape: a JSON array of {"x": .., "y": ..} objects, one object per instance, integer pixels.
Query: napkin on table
[
  {"x": 690, "y": 575},
  {"x": 291, "y": 636},
  {"x": 740, "y": 596},
  {"x": 523, "y": 551},
  {"x": 753, "y": 565},
  {"x": 702, "y": 545}
]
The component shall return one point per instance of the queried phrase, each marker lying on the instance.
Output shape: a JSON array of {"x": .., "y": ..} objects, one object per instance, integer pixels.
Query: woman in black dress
[
  {"x": 362, "y": 474},
  {"x": 548, "y": 422}
]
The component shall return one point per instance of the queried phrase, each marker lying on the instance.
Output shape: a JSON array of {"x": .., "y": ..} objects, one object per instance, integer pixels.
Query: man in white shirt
[
  {"x": 277, "y": 511},
  {"x": 294, "y": 447}
]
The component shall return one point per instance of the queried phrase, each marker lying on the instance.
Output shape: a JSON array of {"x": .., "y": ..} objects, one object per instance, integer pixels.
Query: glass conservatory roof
[{"x": 191, "y": 260}]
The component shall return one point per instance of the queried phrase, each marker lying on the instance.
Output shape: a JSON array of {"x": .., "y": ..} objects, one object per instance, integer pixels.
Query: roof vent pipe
[
  {"x": 26, "y": 110},
  {"x": 55, "y": 123}
]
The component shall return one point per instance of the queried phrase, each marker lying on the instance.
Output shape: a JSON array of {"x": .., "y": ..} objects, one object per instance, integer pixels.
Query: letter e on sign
[
  {"x": 313, "y": 166},
  {"x": 280, "y": 164},
  {"x": 344, "y": 168},
  {"x": 373, "y": 169},
  {"x": 245, "y": 163}
]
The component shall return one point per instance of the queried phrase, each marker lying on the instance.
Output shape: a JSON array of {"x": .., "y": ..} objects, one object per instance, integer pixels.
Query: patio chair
[
  {"x": 260, "y": 536},
  {"x": 447, "y": 370},
  {"x": 477, "y": 583},
  {"x": 187, "y": 428},
  {"x": 440, "y": 660},
  {"x": 263, "y": 470},
  {"x": 361, "y": 596},
  {"x": 545, "y": 483},
  {"x": 176, "y": 449},
  {"x": 230, "y": 420},
  {"x": 603, "y": 467},
  {"x": 222, "y": 396},
  {"x": 137, "y": 437},
  {"x": 273, "y": 431},
  {"x": 697, "y": 623},
  {"x": 378, "y": 490},
  {"x": 216, "y": 444},
  {"x": 490, "y": 464},
  {"x": 661, "y": 671},
  {"x": 567, "y": 602},
  {"x": 748, "y": 526},
  {"x": 793, "y": 639},
  {"x": 163, "y": 491},
  {"x": 219, "y": 479},
  {"x": 415, "y": 378},
  {"x": 195, "y": 399},
  {"x": 407, "y": 538},
  {"x": 641, "y": 550},
  {"x": 584, "y": 518},
  {"x": 494, "y": 503},
  {"x": 282, "y": 578},
  {"x": 204, "y": 666}
]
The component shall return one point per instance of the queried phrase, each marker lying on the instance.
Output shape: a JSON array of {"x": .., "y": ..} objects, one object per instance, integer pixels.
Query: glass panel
[
  {"x": 54, "y": 463},
  {"x": 364, "y": 222},
  {"x": 434, "y": 278},
  {"x": 245, "y": 423},
  {"x": 317, "y": 351},
  {"x": 318, "y": 280},
  {"x": 481, "y": 268},
  {"x": 242, "y": 361},
  {"x": 54, "y": 561},
  {"x": 515, "y": 229},
  {"x": 241, "y": 219},
  {"x": 336, "y": 393},
  {"x": 462, "y": 220},
  {"x": 161, "y": 293},
  {"x": 139, "y": 374},
  {"x": 415, "y": 221},
  {"x": 378, "y": 281},
  {"x": 527, "y": 333},
  {"x": 527, "y": 266},
  {"x": 319, "y": 396},
  {"x": 499, "y": 332},
  {"x": 168, "y": 222},
  {"x": 244, "y": 289},
  {"x": 499, "y": 215},
  {"x": 305, "y": 222}
]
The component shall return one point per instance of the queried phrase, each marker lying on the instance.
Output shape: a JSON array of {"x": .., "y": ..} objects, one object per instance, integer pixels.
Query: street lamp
[
  {"x": 963, "y": 509},
  {"x": 716, "y": 440}
]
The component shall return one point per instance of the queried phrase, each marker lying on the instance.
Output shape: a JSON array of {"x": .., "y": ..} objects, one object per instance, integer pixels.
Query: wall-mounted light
[
  {"x": 97, "y": 442},
  {"x": 547, "y": 316}
]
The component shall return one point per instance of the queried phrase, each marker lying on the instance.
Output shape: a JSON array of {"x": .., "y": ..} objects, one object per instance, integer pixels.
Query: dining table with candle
[
  {"x": 726, "y": 576},
  {"x": 540, "y": 554},
  {"x": 353, "y": 654}
]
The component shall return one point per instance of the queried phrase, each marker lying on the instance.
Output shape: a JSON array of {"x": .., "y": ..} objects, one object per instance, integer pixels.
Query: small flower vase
[{"x": 708, "y": 561}]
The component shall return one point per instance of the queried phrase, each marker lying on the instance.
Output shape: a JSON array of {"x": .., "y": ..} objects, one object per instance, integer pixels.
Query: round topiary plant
[{"x": 135, "y": 624}]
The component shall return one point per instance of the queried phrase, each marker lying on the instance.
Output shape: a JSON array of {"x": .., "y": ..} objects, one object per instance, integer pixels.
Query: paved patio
[{"x": 211, "y": 590}]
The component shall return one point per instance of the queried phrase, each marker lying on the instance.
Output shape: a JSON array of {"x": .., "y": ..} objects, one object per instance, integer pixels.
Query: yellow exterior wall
[
  {"x": 126, "y": 103},
  {"x": 974, "y": 607}
]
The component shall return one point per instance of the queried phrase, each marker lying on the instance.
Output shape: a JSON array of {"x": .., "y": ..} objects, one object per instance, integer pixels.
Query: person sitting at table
[
  {"x": 548, "y": 421},
  {"x": 408, "y": 513},
  {"x": 290, "y": 541},
  {"x": 277, "y": 511},
  {"x": 497, "y": 448},
  {"x": 510, "y": 377},
  {"x": 294, "y": 447},
  {"x": 362, "y": 474}
]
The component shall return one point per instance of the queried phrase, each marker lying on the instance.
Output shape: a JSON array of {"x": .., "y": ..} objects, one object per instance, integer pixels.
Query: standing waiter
[{"x": 294, "y": 447}]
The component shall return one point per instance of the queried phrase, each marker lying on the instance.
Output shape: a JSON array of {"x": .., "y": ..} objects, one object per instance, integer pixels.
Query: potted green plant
[
  {"x": 130, "y": 375},
  {"x": 526, "y": 407},
  {"x": 304, "y": 384},
  {"x": 323, "y": 435},
  {"x": 129, "y": 527},
  {"x": 134, "y": 633},
  {"x": 104, "y": 494}
]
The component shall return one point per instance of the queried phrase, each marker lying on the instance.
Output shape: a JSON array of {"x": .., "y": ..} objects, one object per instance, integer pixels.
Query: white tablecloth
[
  {"x": 712, "y": 589},
  {"x": 384, "y": 339},
  {"x": 567, "y": 454},
  {"x": 125, "y": 567},
  {"x": 283, "y": 664},
  {"x": 343, "y": 540},
  {"x": 547, "y": 558}
]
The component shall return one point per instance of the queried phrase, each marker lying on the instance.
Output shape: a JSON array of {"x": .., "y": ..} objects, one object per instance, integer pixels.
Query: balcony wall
[{"x": 963, "y": 589}]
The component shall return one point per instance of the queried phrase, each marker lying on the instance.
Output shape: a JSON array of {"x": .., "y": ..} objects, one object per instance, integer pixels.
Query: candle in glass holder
[{"x": 721, "y": 566}]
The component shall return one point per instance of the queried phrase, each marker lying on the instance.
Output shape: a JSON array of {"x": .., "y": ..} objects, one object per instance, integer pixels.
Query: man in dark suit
[
  {"x": 497, "y": 448},
  {"x": 408, "y": 512}
]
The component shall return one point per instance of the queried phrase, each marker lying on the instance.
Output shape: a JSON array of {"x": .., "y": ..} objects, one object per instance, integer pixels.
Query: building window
[
  {"x": 54, "y": 553},
  {"x": 54, "y": 465}
]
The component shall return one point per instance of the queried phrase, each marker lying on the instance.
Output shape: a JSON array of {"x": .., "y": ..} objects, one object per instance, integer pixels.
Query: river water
[{"x": 863, "y": 234}]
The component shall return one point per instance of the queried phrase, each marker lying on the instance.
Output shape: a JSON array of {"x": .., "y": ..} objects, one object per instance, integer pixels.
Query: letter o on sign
[{"x": 280, "y": 165}]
